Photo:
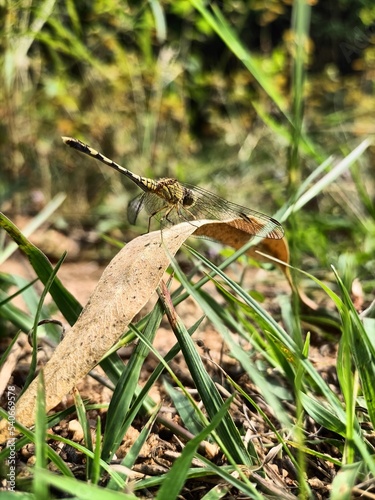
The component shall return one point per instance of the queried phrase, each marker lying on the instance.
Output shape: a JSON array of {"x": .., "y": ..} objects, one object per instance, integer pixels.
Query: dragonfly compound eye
[{"x": 189, "y": 198}]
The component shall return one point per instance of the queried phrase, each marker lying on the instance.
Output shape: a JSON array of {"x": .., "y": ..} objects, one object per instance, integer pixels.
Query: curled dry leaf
[
  {"x": 124, "y": 288},
  {"x": 225, "y": 233}
]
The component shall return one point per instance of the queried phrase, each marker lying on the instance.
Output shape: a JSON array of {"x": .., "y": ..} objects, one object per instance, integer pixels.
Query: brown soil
[{"x": 163, "y": 447}]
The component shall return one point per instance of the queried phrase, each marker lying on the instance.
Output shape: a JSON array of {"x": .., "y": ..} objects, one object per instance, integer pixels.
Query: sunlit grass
[{"x": 133, "y": 100}]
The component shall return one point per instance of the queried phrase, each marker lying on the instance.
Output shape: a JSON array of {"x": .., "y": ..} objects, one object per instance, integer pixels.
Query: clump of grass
[{"x": 283, "y": 428}]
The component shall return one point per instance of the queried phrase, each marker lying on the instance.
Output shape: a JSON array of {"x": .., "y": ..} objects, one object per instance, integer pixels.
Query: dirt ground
[{"x": 80, "y": 278}]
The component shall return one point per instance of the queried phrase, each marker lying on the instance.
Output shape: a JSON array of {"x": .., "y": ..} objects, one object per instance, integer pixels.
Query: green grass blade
[
  {"x": 329, "y": 178},
  {"x": 15, "y": 315},
  {"x": 82, "y": 418},
  {"x": 265, "y": 387},
  {"x": 279, "y": 334},
  {"x": 126, "y": 389},
  {"x": 185, "y": 410},
  {"x": 300, "y": 30},
  {"x": 160, "y": 22},
  {"x": 9, "y": 298},
  {"x": 30, "y": 436},
  {"x": 360, "y": 347},
  {"x": 47, "y": 288},
  {"x": 132, "y": 455},
  {"x": 219, "y": 24},
  {"x": 55, "y": 458},
  {"x": 37, "y": 221},
  {"x": 96, "y": 469},
  {"x": 176, "y": 477},
  {"x": 65, "y": 301},
  {"x": 211, "y": 398},
  {"x": 141, "y": 398},
  {"x": 86, "y": 490},
  {"x": 325, "y": 416},
  {"x": 5, "y": 354},
  {"x": 343, "y": 483},
  {"x": 40, "y": 488}
]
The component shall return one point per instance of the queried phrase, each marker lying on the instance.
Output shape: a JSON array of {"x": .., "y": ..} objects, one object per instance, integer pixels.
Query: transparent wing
[
  {"x": 210, "y": 206},
  {"x": 154, "y": 205},
  {"x": 134, "y": 207},
  {"x": 206, "y": 205}
]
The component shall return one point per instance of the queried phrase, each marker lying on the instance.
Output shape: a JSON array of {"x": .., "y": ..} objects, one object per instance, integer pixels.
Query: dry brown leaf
[
  {"x": 223, "y": 232},
  {"x": 124, "y": 288},
  {"x": 278, "y": 249}
]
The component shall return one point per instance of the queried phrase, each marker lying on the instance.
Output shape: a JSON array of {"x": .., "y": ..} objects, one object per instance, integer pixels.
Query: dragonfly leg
[
  {"x": 156, "y": 213},
  {"x": 169, "y": 211},
  {"x": 149, "y": 222}
]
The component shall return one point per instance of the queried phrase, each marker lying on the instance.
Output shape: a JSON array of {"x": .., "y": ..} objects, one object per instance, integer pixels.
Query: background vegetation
[
  {"x": 156, "y": 88},
  {"x": 248, "y": 99}
]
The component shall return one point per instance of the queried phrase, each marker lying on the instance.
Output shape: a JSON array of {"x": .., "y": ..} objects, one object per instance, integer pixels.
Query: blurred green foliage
[
  {"x": 153, "y": 86},
  {"x": 246, "y": 98}
]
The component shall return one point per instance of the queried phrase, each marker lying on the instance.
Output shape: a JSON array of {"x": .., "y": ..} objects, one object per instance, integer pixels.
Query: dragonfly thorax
[{"x": 171, "y": 191}]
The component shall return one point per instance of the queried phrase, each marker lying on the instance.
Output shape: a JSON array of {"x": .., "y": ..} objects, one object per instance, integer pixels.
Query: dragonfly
[{"x": 172, "y": 202}]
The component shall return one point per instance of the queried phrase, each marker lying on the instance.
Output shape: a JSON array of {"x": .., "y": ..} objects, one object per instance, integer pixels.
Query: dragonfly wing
[
  {"x": 157, "y": 207},
  {"x": 210, "y": 206},
  {"x": 134, "y": 207},
  {"x": 154, "y": 205}
]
